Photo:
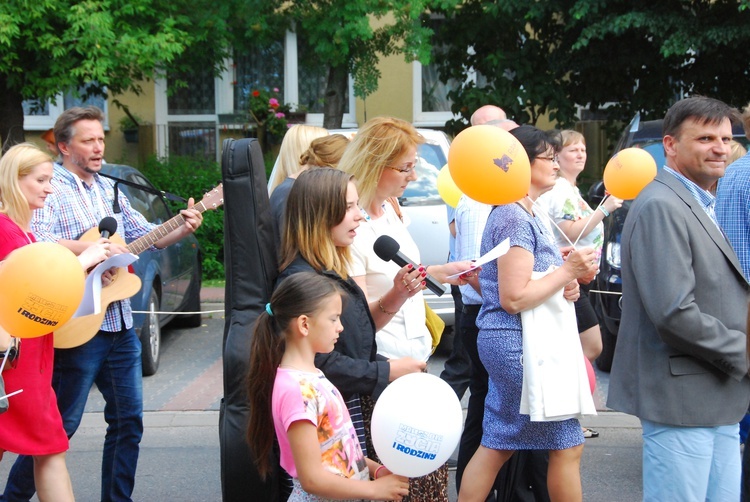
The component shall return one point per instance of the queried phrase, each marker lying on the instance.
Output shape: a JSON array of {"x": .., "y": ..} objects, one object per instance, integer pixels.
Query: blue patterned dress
[{"x": 500, "y": 341}]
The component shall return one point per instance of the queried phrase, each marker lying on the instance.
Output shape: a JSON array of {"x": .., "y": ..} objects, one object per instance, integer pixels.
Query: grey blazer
[{"x": 681, "y": 355}]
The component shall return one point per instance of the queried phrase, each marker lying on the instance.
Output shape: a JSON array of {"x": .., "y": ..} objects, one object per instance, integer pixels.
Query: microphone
[
  {"x": 387, "y": 249},
  {"x": 107, "y": 226}
]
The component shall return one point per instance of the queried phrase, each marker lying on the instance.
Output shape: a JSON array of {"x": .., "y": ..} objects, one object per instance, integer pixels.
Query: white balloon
[{"x": 416, "y": 424}]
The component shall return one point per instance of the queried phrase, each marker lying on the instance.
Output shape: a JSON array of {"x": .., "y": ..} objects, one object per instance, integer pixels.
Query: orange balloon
[
  {"x": 42, "y": 288},
  {"x": 447, "y": 187},
  {"x": 628, "y": 172},
  {"x": 489, "y": 165}
]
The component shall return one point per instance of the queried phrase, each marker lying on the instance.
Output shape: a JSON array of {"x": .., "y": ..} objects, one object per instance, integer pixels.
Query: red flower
[{"x": 256, "y": 94}]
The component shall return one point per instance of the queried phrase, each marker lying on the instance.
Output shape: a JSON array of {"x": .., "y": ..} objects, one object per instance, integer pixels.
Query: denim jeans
[{"x": 113, "y": 362}]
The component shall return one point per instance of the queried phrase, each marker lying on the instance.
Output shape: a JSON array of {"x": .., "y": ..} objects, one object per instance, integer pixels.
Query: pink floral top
[{"x": 299, "y": 395}]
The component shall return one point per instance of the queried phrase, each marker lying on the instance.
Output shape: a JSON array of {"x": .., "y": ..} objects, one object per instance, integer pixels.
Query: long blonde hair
[
  {"x": 377, "y": 145},
  {"x": 296, "y": 141},
  {"x": 18, "y": 162},
  {"x": 316, "y": 204}
]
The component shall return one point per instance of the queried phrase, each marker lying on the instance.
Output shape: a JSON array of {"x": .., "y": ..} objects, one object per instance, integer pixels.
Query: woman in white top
[
  {"x": 575, "y": 218},
  {"x": 382, "y": 158}
]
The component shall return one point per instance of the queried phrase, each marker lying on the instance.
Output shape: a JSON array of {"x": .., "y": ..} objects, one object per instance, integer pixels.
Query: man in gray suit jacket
[{"x": 681, "y": 361}]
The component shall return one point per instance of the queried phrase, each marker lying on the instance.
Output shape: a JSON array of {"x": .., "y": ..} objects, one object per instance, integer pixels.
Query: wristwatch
[{"x": 13, "y": 350}]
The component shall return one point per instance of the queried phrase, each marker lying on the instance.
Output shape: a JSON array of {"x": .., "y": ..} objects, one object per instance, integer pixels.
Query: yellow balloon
[
  {"x": 628, "y": 172},
  {"x": 42, "y": 288},
  {"x": 489, "y": 165},
  {"x": 447, "y": 187}
]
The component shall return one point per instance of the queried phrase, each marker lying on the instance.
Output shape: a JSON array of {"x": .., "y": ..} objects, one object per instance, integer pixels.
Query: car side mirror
[{"x": 596, "y": 193}]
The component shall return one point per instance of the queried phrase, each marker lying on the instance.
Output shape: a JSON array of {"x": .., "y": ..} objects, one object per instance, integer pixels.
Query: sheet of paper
[
  {"x": 92, "y": 293},
  {"x": 493, "y": 254}
]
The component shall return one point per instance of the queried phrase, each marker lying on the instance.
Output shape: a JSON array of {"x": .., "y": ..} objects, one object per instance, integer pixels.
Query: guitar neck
[{"x": 143, "y": 243}]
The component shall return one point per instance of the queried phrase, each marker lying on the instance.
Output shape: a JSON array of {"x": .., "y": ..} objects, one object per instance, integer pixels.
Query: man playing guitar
[{"x": 112, "y": 358}]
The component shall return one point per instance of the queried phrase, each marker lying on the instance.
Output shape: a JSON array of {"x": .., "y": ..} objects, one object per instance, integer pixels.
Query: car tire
[
  {"x": 193, "y": 303},
  {"x": 604, "y": 361},
  {"x": 151, "y": 336}
]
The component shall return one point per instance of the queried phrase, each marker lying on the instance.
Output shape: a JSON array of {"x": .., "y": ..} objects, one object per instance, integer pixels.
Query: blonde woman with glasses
[{"x": 382, "y": 157}]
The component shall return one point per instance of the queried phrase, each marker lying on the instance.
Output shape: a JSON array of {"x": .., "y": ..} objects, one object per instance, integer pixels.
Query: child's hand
[{"x": 391, "y": 487}]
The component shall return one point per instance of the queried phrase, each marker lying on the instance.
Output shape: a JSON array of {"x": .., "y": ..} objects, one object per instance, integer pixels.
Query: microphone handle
[
  {"x": 105, "y": 234},
  {"x": 432, "y": 284}
]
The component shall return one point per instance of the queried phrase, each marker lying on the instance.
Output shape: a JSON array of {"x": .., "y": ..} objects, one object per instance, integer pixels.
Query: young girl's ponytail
[{"x": 300, "y": 294}]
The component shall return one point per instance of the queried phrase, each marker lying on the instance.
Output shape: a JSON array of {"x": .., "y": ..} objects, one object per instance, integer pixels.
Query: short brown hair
[
  {"x": 65, "y": 125},
  {"x": 699, "y": 108}
]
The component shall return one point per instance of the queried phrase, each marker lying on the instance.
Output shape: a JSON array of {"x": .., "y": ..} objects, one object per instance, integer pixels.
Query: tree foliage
[
  {"x": 625, "y": 55},
  {"x": 51, "y": 46},
  {"x": 347, "y": 37}
]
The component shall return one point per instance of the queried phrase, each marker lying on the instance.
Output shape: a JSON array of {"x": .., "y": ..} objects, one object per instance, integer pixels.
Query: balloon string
[
  {"x": 6, "y": 396},
  {"x": 540, "y": 209},
  {"x": 591, "y": 217}
]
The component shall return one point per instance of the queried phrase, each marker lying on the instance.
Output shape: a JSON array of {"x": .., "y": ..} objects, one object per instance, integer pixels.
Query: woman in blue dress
[{"x": 507, "y": 290}]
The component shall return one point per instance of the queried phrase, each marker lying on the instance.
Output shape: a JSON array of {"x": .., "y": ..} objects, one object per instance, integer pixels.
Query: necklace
[{"x": 366, "y": 215}]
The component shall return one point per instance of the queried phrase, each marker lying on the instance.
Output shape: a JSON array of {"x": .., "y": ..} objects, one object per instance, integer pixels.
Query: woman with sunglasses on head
[
  {"x": 508, "y": 289},
  {"x": 382, "y": 157}
]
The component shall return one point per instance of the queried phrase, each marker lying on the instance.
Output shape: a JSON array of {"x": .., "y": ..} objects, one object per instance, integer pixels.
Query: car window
[
  {"x": 655, "y": 149},
  {"x": 424, "y": 189},
  {"x": 148, "y": 204}
]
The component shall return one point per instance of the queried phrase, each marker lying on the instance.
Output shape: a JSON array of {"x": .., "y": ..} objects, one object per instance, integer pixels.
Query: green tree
[
  {"x": 51, "y": 46},
  {"x": 511, "y": 45},
  {"x": 347, "y": 37},
  {"x": 630, "y": 55}
]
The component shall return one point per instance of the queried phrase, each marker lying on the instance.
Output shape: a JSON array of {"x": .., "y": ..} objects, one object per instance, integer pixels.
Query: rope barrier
[{"x": 178, "y": 313}]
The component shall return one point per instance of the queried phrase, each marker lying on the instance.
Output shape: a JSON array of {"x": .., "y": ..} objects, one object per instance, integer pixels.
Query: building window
[
  {"x": 313, "y": 80},
  {"x": 261, "y": 68},
  {"x": 183, "y": 116},
  {"x": 198, "y": 98},
  {"x": 40, "y": 116}
]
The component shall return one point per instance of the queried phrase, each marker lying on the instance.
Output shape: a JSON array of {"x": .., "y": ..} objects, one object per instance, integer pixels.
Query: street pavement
[{"x": 179, "y": 457}]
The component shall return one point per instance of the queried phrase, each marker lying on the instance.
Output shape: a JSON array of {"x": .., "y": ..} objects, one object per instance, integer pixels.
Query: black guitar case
[{"x": 250, "y": 261}]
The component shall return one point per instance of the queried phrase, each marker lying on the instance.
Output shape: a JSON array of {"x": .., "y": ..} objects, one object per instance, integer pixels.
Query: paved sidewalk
[{"x": 212, "y": 295}]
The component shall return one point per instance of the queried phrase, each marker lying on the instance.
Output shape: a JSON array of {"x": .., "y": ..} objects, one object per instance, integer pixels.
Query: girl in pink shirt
[{"x": 317, "y": 441}]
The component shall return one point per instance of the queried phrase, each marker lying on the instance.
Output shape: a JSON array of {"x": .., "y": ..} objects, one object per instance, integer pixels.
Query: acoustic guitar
[{"x": 125, "y": 284}]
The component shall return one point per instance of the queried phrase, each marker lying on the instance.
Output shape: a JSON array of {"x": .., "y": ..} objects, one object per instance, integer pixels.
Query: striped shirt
[
  {"x": 704, "y": 197},
  {"x": 72, "y": 209},
  {"x": 471, "y": 218},
  {"x": 733, "y": 209}
]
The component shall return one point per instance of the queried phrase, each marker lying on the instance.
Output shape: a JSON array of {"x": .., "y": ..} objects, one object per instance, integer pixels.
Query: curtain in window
[
  {"x": 70, "y": 99},
  {"x": 198, "y": 98},
  {"x": 259, "y": 68},
  {"x": 435, "y": 92}
]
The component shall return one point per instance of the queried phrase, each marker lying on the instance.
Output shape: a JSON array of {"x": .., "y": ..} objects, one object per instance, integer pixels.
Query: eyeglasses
[
  {"x": 554, "y": 158},
  {"x": 408, "y": 167}
]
